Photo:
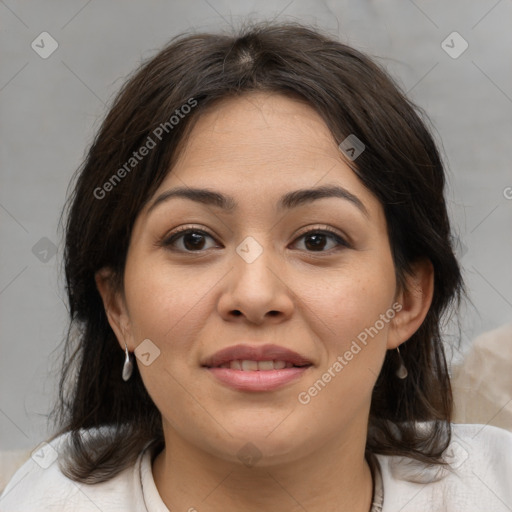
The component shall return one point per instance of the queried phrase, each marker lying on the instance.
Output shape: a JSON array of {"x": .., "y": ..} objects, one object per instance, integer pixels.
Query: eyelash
[{"x": 168, "y": 241}]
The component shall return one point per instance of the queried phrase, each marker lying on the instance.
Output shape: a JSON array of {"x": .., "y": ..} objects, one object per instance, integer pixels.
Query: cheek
[
  {"x": 348, "y": 300},
  {"x": 167, "y": 305},
  {"x": 154, "y": 297},
  {"x": 354, "y": 308}
]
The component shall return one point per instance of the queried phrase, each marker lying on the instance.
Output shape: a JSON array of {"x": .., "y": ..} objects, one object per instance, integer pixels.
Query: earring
[
  {"x": 402, "y": 372},
  {"x": 128, "y": 365}
]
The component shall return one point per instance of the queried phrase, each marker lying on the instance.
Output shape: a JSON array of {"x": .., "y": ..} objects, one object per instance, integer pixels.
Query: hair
[{"x": 400, "y": 165}]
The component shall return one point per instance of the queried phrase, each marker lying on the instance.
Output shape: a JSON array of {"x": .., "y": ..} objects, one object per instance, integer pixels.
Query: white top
[{"x": 480, "y": 481}]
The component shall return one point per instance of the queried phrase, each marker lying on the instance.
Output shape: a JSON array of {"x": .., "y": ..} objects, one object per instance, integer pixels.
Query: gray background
[{"x": 50, "y": 109}]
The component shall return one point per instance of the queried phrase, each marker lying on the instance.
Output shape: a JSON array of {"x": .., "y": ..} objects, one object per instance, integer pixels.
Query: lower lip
[{"x": 258, "y": 380}]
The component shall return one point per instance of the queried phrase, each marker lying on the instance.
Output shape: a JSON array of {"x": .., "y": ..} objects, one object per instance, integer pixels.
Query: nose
[{"x": 256, "y": 291}]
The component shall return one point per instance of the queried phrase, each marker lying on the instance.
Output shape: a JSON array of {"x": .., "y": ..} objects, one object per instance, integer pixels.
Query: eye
[
  {"x": 318, "y": 240},
  {"x": 187, "y": 240}
]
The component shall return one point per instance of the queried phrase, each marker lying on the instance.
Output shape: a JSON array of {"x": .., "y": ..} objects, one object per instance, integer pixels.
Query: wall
[{"x": 52, "y": 106}]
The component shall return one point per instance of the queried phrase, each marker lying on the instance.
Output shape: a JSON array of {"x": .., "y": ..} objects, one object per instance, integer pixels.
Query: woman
[{"x": 258, "y": 260}]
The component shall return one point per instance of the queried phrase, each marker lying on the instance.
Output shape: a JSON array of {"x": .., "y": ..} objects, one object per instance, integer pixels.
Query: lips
[
  {"x": 247, "y": 355},
  {"x": 256, "y": 368}
]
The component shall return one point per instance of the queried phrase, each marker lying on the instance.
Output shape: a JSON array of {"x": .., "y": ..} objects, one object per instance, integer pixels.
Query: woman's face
[{"x": 286, "y": 258}]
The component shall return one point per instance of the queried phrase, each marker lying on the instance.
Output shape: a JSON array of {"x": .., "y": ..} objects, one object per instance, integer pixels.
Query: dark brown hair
[{"x": 401, "y": 166}]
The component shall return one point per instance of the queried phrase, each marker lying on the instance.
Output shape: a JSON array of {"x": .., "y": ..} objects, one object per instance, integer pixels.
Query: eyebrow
[{"x": 288, "y": 201}]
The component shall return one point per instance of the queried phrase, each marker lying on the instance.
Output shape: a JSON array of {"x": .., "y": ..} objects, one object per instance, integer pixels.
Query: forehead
[
  {"x": 258, "y": 147},
  {"x": 268, "y": 127}
]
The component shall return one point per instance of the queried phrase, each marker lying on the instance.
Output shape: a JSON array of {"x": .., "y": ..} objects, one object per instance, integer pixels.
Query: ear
[
  {"x": 115, "y": 307},
  {"x": 415, "y": 300}
]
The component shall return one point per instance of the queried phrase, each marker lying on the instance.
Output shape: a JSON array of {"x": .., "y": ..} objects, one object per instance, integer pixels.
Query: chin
[{"x": 255, "y": 442}]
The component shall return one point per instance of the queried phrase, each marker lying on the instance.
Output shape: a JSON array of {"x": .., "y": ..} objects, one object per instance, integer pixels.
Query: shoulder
[
  {"x": 41, "y": 485},
  {"x": 482, "y": 436},
  {"x": 478, "y": 477}
]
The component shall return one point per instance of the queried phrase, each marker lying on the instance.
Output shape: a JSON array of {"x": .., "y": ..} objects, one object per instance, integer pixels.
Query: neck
[{"x": 335, "y": 478}]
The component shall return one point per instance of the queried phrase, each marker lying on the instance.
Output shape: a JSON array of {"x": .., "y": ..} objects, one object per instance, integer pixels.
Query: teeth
[
  {"x": 247, "y": 365},
  {"x": 235, "y": 365},
  {"x": 265, "y": 365}
]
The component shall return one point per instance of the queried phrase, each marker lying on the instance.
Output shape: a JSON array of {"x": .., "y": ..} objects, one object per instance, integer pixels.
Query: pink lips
[{"x": 256, "y": 380}]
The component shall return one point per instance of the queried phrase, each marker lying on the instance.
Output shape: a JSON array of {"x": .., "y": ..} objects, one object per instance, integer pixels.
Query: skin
[{"x": 313, "y": 299}]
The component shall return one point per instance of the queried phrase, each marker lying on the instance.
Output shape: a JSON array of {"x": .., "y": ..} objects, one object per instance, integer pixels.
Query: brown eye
[
  {"x": 188, "y": 240},
  {"x": 322, "y": 241}
]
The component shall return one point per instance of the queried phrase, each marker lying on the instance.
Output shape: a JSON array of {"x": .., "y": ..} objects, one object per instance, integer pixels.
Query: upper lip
[{"x": 255, "y": 353}]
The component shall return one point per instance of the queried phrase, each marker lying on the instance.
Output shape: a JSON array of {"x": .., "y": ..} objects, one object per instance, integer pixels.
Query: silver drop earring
[
  {"x": 402, "y": 372},
  {"x": 128, "y": 365}
]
